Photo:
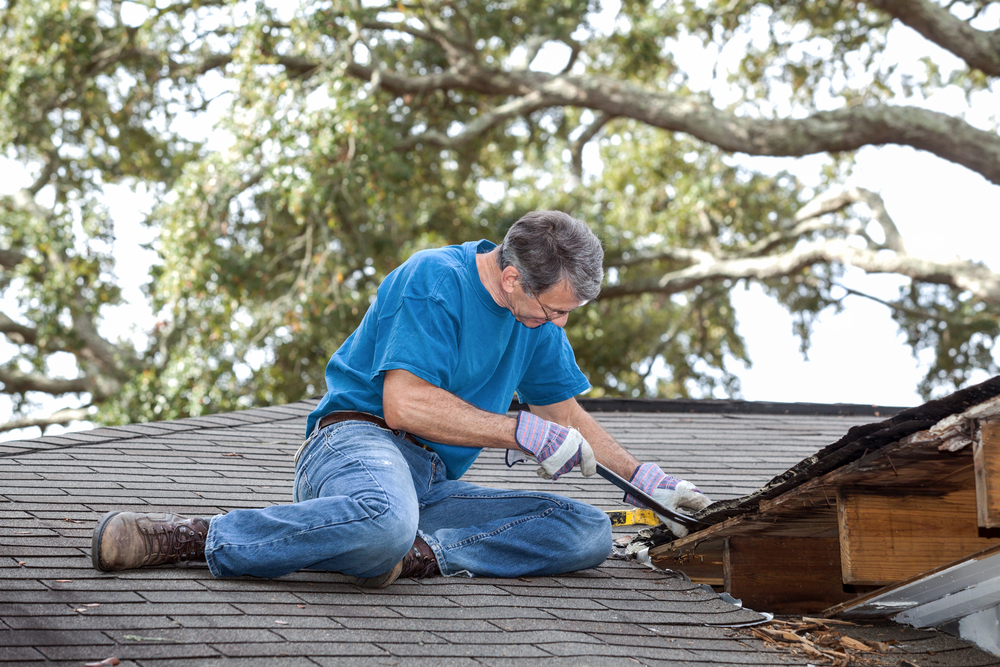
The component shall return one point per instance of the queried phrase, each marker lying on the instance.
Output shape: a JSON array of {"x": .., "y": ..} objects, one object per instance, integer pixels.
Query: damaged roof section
[
  {"x": 942, "y": 418},
  {"x": 892, "y": 517}
]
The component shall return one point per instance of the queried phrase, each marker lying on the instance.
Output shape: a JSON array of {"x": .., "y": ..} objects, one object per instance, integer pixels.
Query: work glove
[
  {"x": 556, "y": 448},
  {"x": 668, "y": 491}
]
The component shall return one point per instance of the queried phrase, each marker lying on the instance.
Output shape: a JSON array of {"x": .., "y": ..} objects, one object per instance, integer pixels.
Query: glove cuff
[
  {"x": 530, "y": 432},
  {"x": 648, "y": 477}
]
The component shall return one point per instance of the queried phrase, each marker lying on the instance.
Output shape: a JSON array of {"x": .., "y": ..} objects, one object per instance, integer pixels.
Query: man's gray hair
[{"x": 547, "y": 247}]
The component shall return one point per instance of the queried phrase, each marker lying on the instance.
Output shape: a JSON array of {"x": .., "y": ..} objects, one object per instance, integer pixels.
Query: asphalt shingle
[{"x": 56, "y": 608}]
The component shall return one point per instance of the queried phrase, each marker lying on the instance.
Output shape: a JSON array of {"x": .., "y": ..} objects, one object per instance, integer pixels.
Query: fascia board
[
  {"x": 935, "y": 585},
  {"x": 982, "y": 595}
]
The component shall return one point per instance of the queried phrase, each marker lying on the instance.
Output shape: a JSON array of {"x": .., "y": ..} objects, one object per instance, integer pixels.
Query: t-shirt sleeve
[
  {"x": 420, "y": 336},
  {"x": 552, "y": 374}
]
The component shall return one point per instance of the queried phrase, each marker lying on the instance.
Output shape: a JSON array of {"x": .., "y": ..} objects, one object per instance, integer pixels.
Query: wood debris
[
  {"x": 103, "y": 663},
  {"x": 817, "y": 639}
]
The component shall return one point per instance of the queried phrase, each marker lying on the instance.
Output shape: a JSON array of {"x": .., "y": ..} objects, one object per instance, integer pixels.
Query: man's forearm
[
  {"x": 606, "y": 449},
  {"x": 418, "y": 407}
]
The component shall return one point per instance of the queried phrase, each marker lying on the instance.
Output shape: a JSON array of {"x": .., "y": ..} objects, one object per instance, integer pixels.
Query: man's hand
[
  {"x": 557, "y": 449},
  {"x": 668, "y": 491}
]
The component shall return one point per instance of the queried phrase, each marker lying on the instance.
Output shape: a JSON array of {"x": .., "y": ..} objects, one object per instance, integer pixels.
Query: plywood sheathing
[
  {"x": 807, "y": 576},
  {"x": 888, "y": 536},
  {"x": 986, "y": 457}
]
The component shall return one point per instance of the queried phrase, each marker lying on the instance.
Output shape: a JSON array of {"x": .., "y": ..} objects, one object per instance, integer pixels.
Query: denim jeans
[{"x": 362, "y": 493}]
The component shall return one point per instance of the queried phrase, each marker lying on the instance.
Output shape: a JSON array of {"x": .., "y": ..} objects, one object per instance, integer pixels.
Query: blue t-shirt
[{"x": 433, "y": 317}]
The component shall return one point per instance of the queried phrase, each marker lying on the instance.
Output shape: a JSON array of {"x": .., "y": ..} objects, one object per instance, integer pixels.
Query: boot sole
[
  {"x": 380, "y": 581},
  {"x": 95, "y": 545}
]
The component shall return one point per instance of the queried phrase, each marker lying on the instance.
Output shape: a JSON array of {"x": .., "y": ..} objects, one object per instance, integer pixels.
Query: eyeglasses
[{"x": 549, "y": 317}]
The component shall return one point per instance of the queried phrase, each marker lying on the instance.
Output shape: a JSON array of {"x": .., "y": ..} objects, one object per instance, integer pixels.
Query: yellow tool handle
[{"x": 633, "y": 517}]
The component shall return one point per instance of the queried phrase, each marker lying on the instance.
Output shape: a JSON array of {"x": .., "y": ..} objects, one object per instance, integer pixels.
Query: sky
[{"x": 858, "y": 356}]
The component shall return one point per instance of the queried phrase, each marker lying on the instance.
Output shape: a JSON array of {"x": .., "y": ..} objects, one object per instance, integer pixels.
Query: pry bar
[{"x": 647, "y": 500}]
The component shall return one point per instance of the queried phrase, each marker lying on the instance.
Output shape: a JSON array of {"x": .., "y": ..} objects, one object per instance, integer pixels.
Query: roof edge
[{"x": 724, "y": 406}]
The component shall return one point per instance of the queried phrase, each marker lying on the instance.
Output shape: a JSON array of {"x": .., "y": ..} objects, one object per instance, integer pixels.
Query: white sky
[{"x": 857, "y": 356}]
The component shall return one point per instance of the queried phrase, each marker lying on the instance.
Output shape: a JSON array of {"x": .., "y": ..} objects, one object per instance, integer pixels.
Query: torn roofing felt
[{"x": 859, "y": 441}]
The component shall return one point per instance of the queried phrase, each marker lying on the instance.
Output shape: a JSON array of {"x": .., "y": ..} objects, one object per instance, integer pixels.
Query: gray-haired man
[{"x": 413, "y": 396}]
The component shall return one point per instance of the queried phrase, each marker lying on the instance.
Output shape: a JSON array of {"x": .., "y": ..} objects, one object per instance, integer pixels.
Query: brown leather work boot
[
  {"x": 418, "y": 563},
  {"x": 126, "y": 540}
]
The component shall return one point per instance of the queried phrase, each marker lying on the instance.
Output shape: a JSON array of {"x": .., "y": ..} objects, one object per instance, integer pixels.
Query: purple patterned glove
[
  {"x": 669, "y": 492},
  {"x": 556, "y": 448}
]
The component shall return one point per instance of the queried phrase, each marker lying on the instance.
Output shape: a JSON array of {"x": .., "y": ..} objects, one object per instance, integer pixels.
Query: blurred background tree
[{"x": 356, "y": 133}]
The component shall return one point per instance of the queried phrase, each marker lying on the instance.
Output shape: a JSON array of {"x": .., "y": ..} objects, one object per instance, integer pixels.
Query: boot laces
[
  {"x": 419, "y": 562},
  {"x": 178, "y": 542}
]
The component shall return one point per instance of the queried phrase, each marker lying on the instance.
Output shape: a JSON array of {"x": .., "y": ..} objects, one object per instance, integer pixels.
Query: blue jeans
[{"x": 362, "y": 493}]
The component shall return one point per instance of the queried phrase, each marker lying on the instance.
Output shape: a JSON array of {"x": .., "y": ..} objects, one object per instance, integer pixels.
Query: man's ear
[{"x": 509, "y": 278}]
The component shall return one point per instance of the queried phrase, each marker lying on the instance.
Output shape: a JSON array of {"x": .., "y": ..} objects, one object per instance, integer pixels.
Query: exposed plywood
[
  {"x": 785, "y": 575},
  {"x": 701, "y": 561},
  {"x": 886, "y": 537},
  {"x": 986, "y": 455}
]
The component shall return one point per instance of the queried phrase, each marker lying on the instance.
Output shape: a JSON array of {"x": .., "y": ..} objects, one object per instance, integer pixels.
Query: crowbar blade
[{"x": 647, "y": 500}]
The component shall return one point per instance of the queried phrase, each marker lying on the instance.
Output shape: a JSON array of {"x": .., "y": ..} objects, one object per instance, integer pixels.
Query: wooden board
[
  {"x": 986, "y": 456},
  {"x": 784, "y": 575},
  {"x": 701, "y": 562},
  {"x": 887, "y": 536}
]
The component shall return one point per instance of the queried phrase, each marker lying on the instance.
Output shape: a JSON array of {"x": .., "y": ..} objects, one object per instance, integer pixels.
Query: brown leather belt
[{"x": 352, "y": 415}]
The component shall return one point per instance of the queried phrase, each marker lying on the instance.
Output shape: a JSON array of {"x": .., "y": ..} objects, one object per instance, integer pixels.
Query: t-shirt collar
[{"x": 473, "y": 249}]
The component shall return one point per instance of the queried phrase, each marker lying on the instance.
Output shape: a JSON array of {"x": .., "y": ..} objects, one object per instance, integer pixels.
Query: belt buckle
[{"x": 298, "y": 452}]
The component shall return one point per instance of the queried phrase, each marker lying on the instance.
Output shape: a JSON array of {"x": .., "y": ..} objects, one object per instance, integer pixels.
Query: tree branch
[
  {"x": 979, "y": 49},
  {"x": 576, "y": 150},
  {"x": 835, "y": 201},
  {"x": 840, "y": 130},
  {"x": 52, "y": 163},
  {"x": 16, "y": 382},
  {"x": 60, "y": 417},
  {"x": 979, "y": 280},
  {"x": 482, "y": 123},
  {"x": 844, "y": 129},
  {"x": 18, "y": 334},
  {"x": 11, "y": 258},
  {"x": 532, "y": 46}
]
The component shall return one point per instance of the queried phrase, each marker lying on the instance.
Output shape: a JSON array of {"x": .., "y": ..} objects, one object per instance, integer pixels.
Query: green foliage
[{"x": 271, "y": 246}]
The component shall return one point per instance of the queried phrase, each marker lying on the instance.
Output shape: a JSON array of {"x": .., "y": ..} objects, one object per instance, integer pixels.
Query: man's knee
[
  {"x": 595, "y": 539},
  {"x": 388, "y": 538}
]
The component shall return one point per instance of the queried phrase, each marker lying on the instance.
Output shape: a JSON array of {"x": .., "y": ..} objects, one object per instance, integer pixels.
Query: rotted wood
[
  {"x": 809, "y": 520},
  {"x": 810, "y": 509},
  {"x": 986, "y": 455},
  {"x": 859, "y": 442},
  {"x": 784, "y": 575},
  {"x": 890, "y": 535},
  {"x": 700, "y": 561}
]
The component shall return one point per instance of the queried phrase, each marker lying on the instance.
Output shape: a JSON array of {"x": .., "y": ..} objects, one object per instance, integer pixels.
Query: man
[{"x": 413, "y": 396}]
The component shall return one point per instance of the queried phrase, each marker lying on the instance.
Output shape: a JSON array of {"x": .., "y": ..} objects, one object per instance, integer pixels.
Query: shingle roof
[{"x": 56, "y": 608}]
